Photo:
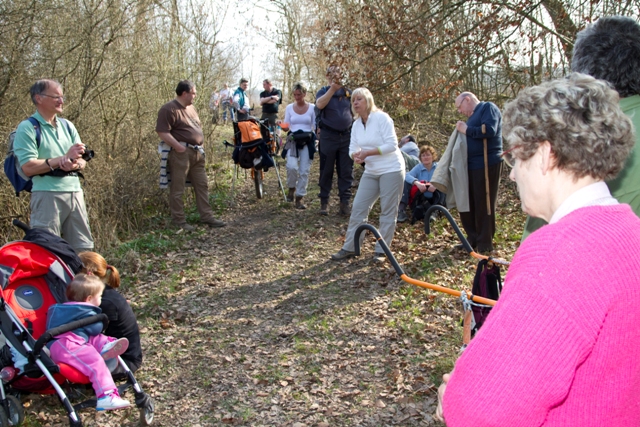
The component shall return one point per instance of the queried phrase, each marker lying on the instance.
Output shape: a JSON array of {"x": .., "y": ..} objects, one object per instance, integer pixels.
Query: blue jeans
[{"x": 226, "y": 106}]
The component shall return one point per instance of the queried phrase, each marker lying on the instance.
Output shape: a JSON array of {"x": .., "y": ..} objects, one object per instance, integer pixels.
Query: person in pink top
[
  {"x": 562, "y": 345},
  {"x": 85, "y": 348}
]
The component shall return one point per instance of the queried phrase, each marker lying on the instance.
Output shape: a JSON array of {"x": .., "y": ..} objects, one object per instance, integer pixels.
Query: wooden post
[
  {"x": 466, "y": 327},
  {"x": 486, "y": 170}
]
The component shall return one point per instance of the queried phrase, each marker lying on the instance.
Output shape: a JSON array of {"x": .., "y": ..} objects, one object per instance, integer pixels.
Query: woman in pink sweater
[{"x": 562, "y": 346}]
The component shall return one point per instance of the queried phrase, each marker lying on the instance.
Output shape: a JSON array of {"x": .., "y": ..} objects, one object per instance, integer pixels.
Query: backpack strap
[
  {"x": 36, "y": 126},
  {"x": 66, "y": 124}
]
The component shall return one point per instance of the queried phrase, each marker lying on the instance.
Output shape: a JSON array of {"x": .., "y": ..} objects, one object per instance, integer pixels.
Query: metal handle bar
[
  {"x": 21, "y": 225},
  {"x": 400, "y": 272}
]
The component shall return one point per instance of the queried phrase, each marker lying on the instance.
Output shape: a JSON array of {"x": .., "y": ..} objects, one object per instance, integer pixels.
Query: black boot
[{"x": 299, "y": 204}]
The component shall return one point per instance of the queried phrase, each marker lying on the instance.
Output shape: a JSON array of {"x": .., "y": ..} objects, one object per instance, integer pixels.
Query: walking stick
[{"x": 486, "y": 170}]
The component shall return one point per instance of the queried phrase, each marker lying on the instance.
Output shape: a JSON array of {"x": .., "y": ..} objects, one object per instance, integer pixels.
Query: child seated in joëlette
[{"x": 86, "y": 349}]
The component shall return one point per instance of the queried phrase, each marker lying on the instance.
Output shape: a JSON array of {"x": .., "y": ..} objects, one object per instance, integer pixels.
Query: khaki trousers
[
  {"x": 189, "y": 164},
  {"x": 386, "y": 187}
]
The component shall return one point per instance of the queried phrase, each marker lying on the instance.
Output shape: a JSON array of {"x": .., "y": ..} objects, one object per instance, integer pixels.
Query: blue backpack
[{"x": 12, "y": 169}]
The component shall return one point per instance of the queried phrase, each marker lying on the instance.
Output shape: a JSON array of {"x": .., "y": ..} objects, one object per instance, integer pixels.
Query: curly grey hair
[
  {"x": 610, "y": 50},
  {"x": 580, "y": 117}
]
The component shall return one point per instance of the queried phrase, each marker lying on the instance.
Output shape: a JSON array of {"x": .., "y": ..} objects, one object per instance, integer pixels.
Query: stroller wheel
[
  {"x": 15, "y": 416},
  {"x": 146, "y": 413},
  {"x": 75, "y": 423}
]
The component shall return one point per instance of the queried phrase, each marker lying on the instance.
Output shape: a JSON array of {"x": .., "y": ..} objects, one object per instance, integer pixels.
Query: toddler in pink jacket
[{"x": 86, "y": 349}]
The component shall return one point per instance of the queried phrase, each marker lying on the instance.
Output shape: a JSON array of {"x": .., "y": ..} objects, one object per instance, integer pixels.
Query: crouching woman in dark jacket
[{"x": 122, "y": 320}]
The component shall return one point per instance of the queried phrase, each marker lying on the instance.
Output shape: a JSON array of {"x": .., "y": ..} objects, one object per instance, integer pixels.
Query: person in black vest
[
  {"x": 334, "y": 104},
  {"x": 122, "y": 320},
  {"x": 270, "y": 99}
]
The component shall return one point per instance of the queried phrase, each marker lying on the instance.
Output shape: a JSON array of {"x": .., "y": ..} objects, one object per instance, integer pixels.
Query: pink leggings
[{"x": 85, "y": 356}]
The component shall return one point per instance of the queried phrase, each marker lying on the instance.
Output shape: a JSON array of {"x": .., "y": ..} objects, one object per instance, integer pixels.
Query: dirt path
[{"x": 253, "y": 325}]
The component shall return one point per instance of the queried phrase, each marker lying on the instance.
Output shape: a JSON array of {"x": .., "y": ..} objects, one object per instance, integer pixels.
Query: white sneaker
[
  {"x": 110, "y": 402},
  {"x": 114, "y": 348}
]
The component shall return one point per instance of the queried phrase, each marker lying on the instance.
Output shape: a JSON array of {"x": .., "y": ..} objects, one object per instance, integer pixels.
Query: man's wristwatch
[{"x": 49, "y": 164}]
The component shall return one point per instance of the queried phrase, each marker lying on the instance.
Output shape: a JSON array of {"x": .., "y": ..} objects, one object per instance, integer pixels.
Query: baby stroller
[
  {"x": 34, "y": 274},
  {"x": 255, "y": 147}
]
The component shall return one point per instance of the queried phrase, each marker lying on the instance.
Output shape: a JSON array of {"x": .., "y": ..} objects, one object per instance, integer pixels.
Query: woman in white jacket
[
  {"x": 300, "y": 116},
  {"x": 374, "y": 143}
]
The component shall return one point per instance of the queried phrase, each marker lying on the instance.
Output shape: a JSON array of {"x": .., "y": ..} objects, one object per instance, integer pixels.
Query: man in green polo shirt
[
  {"x": 609, "y": 50},
  {"x": 57, "y": 200}
]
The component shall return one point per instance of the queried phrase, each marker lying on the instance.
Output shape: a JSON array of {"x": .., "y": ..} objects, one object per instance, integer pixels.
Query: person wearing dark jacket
[
  {"x": 484, "y": 147},
  {"x": 335, "y": 120},
  {"x": 122, "y": 320}
]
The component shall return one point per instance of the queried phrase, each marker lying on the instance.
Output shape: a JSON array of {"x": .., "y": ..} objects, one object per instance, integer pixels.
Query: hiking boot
[
  {"x": 291, "y": 194},
  {"x": 379, "y": 257},
  {"x": 110, "y": 402},
  {"x": 299, "y": 204},
  {"x": 402, "y": 216},
  {"x": 342, "y": 255},
  {"x": 324, "y": 209},
  {"x": 485, "y": 251},
  {"x": 345, "y": 210},
  {"x": 184, "y": 226},
  {"x": 114, "y": 349},
  {"x": 214, "y": 223}
]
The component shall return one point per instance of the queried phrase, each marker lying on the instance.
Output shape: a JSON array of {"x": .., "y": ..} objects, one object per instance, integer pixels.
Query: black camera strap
[{"x": 60, "y": 173}]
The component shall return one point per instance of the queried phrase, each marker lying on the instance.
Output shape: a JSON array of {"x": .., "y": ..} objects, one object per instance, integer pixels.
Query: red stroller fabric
[{"x": 36, "y": 279}]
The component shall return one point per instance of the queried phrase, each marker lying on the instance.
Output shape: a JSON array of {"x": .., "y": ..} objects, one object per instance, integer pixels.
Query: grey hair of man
[
  {"x": 41, "y": 86},
  {"x": 581, "y": 119},
  {"x": 299, "y": 86},
  {"x": 609, "y": 50},
  {"x": 406, "y": 139}
]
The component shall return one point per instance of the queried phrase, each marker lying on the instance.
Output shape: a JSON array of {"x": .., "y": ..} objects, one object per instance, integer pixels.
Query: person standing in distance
[
  {"x": 178, "y": 125},
  {"x": 241, "y": 101},
  {"x": 270, "y": 99},
  {"x": 225, "y": 100}
]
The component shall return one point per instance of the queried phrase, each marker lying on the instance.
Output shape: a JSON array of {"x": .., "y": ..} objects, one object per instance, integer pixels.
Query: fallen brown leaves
[{"x": 253, "y": 325}]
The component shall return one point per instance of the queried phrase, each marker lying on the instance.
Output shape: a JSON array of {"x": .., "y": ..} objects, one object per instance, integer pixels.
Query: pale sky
[{"x": 247, "y": 24}]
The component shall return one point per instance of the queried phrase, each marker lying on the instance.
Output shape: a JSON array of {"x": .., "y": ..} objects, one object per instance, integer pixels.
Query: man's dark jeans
[{"x": 335, "y": 146}]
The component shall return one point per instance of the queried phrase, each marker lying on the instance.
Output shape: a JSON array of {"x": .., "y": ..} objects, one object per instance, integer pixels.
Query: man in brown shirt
[{"x": 179, "y": 126}]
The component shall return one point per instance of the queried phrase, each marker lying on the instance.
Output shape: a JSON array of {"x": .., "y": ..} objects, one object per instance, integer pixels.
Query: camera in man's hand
[{"x": 88, "y": 155}]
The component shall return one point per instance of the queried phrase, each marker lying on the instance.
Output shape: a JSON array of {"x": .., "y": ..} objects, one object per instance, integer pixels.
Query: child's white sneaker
[
  {"x": 114, "y": 348},
  {"x": 110, "y": 402}
]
